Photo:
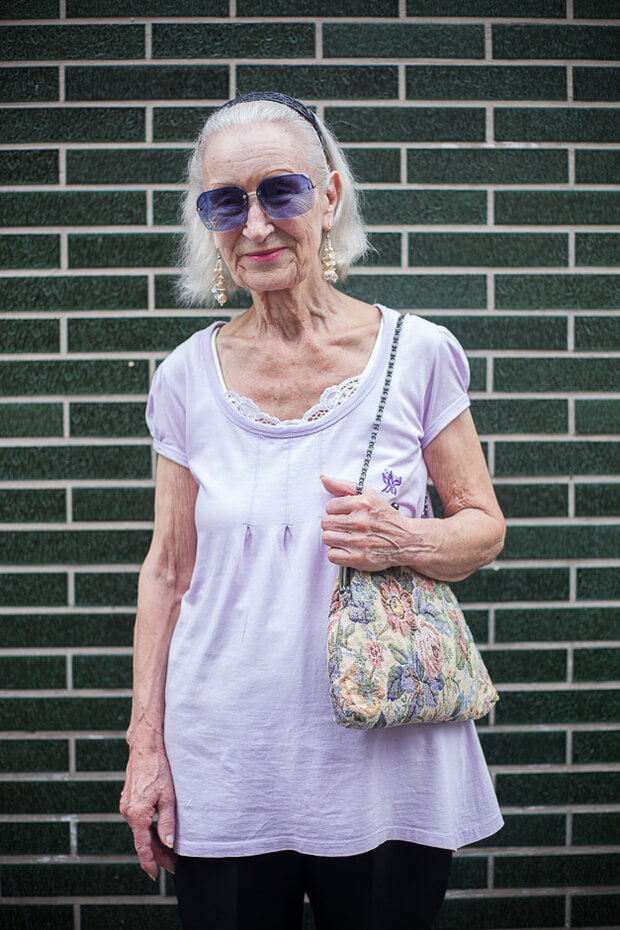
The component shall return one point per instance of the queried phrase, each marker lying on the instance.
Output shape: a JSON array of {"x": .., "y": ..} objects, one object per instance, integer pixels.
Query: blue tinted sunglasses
[{"x": 281, "y": 198}]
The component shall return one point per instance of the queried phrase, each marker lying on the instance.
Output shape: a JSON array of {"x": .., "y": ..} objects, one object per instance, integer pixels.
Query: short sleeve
[
  {"x": 446, "y": 396},
  {"x": 166, "y": 417}
]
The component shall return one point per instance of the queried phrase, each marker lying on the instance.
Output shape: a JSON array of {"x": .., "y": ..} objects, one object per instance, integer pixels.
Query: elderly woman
[{"x": 238, "y": 778}]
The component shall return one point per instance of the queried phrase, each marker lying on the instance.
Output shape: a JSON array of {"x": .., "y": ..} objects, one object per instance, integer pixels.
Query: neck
[{"x": 290, "y": 314}]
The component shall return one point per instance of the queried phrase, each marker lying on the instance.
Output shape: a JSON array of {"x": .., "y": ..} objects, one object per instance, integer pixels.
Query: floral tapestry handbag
[{"x": 398, "y": 647}]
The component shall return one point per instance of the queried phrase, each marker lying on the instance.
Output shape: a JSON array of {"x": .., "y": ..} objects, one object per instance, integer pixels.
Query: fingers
[
  {"x": 143, "y": 841},
  {"x": 166, "y": 822},
  {"x": 339, "y": 487}
]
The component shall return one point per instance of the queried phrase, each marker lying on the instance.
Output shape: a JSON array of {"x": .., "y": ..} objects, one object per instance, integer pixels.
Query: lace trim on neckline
[{"x": 331, "y": 398}]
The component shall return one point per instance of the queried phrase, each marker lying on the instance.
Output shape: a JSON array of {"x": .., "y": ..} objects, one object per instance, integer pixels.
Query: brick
[
  {"x": 525, "y": 665},
  {"x": 600, "y": 166},
  {"x": 529, "y": 830},
  {"x": 126, "y": 166},
  {"x": 557, "y": 788},
  {"x": 74, "y": 546},
  {"x": 34, "y": 755},
  {"x": 598, "y": 583},
  {"x": 28, "y": 251},
  {"x": 80, "y": 9},
  {"x": 31, "y": 672},
  {"x": 483, "y": 82},
  {"x": 596, "y": 84},
  {"x": 557, "y": 124},
  {"x": 597, "y": 416},
  {"x": 167, "y": 208},
  {"x": 99, "y": 754},
  {"x": 97, "y": 589},
  {"x": 497, "y": 913},
  {"x": 323, "y": 8},
  {"x": 602, "y": 9},
  {"x": 469, "y": 873},
  {"x": 597, "y": 332},
  {"x": 407, "y": 124},
  {"x": 486, "y": 166},
  {"x": 510, "y": 584},
  {"x": 558, "y": 707},
  {"x": 597, "y": 500},
  {"x": 119, "y": 250},
  {"x": 515, "y": 748},
  {"x": 41, "y": 916},
  {"x": 64, "y": 713},
  {"x": 337, "y": 82},
  {"x": 111, "y": 419},
  {"x": 554, "y": 374},
  {"x": 130, "y": 916},
  {"x": 387, "y": 250},
  {"x": 75, "y": 879},
  {"x": 29, "y": 84},
  {"x": 179, "y": 124},
  {"x": 532, "y": 500},
  {"x": 477, "y": 621},
  {"x": 554, "y": 458},
  {"x": 562, "y": 542},
  {"x": 72, "y": 124},
  {"x": 596, "y": 747},
  {"x": 488, "y": 331},
  {"x": 402, "y": 40},
  {"x": 418, "y": 207},
  {"x": 62, "y": 630},
  {"x": 556, "y": 624},
  {"x": 375, "y": 165},
  {"x": 528, "y": 8},
  {"x": 520, "y": 416},
  {"x": 105, "y": 839},
  {"x": 113, "y": 504},
  {"x": 488, "y": 249},
  {"x": 31, "y": 420},
  {"x": 102, "y": 671},
  {"x": 36, "y": 9},
  {"x": 35, "y": 839},
  {"x": 234, "y": 40},
  {"x": 75, "y": 462},
  {"x": 598, "y": 910},
  {"x": 29, "y": 166},
  {"x": 69, "y": 42},
  {"x": 33, "y": 589},
  {"x": 139, "y": 334},
  {"x": 43, "y": 505},
  {"x": 557, "y": 208},
  {"x": 597, "y": 249},
  {"x": 74, "y": 293},
  {"x": 74, "y": 208},
  {"x": 539, "y": 871},
  {"x": 596, "y": 829},
  {"x": 74, "y": 377},
  {"x": 419, "y": 292},
  {"x": 156, "y": 82},
  {"x": 167, "y": 296},
  {"x": 555, "y": 41}
]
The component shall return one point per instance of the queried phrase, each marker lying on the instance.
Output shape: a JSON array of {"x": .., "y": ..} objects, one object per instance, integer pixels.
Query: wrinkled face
[{"x": 268, "y": 254}]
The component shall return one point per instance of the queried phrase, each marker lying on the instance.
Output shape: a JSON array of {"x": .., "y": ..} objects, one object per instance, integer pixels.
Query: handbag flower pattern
[{"x": 400, "y": 651}]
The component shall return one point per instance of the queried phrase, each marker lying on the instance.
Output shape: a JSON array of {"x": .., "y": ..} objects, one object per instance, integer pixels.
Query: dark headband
[{"x": 284, "y": 99}]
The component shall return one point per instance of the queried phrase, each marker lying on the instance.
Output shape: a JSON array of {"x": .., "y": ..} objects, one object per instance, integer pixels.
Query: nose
[{"x": 258, "y": 225}]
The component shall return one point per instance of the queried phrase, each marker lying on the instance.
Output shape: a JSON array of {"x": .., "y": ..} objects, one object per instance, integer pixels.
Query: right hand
[{"x": 148, "y": 790}]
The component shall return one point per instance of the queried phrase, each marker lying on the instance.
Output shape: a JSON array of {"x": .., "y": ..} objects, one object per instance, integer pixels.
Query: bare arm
[
  {"x": 164, "y": 578},
  {"x": 363, "y": 531}
]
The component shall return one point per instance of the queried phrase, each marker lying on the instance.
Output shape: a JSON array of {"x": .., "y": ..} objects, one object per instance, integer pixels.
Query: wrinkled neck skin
[{"x": 310, "y": 307}]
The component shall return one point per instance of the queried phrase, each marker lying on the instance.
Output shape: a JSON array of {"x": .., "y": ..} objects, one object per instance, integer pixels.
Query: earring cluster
[
  {"x": 219, "y": 282},
  {"x": 328, "y": 261}
]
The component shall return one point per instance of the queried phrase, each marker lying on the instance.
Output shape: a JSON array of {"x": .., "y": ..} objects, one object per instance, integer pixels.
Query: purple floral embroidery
[{"x": 391, "y": 482}]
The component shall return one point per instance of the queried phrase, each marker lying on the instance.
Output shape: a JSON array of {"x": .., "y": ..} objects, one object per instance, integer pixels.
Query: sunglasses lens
[
  {"x": 223, "y": 208},
  {"x": 286, "y": 196}
]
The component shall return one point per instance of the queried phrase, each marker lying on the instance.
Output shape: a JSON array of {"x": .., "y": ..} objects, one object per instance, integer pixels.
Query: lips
[{"x": 265, "y": 255}]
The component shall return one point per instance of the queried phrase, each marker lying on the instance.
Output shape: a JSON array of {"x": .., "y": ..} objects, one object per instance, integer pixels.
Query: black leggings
[{"x": 395, "y": 885}]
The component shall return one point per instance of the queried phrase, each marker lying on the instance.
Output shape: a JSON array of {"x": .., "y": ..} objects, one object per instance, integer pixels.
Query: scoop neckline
[{"x": 375, "y": 365}]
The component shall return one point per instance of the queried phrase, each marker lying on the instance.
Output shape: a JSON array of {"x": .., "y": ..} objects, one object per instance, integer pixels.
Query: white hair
[{"x": 199, "y": 253}]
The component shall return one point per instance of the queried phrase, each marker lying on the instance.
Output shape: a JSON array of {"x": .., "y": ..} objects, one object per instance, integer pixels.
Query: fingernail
[
  {"x": 170, "y": 840},
  {"x": 153, "y": 877}
]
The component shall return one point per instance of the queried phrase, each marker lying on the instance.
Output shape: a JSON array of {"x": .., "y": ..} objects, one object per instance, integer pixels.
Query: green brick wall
[{"x": 485, "y": 137}]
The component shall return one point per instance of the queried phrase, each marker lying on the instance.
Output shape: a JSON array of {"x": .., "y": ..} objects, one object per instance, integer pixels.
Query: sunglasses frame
[{"x": 245, "y": 199}]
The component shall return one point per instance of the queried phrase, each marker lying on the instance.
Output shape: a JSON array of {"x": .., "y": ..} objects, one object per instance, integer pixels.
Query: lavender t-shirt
[{"x": 258, "y": 763}]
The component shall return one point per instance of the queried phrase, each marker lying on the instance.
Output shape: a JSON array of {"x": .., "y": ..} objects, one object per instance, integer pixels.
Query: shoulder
[
  {"x": 420, "y": 335},
  {"x": 188, "y": 355}
]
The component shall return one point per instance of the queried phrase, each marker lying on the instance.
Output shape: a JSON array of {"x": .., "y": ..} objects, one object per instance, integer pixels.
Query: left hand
[{"x": 362, "y": 530}]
